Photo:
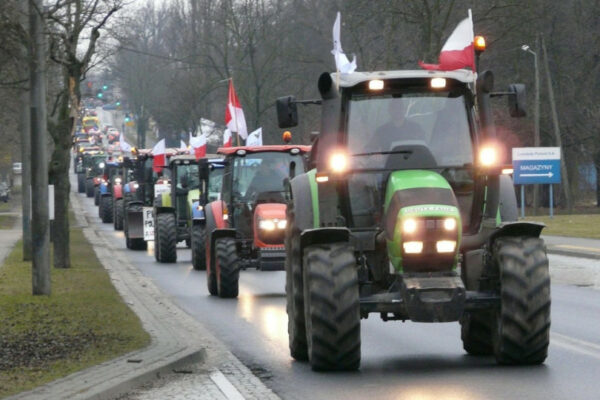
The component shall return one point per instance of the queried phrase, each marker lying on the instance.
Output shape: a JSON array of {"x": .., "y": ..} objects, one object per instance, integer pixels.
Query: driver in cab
[
  {"x": 268, "y": 178},
  {"x": 398, "y": 128}
]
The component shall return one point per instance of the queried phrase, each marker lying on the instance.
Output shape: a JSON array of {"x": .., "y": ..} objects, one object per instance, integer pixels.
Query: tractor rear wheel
[
  {"x": 522, "y": 333},
  {"x": 228, "y": 271},
  {"x": 167, "y": 237},
  {"x": 96, "y": 196},
  {"x": 89, "y": 188},
  {"x": 332, "y": 309},
  {"x": 106, "y": 209},
  {"x": 80, "y": 183},
  {"x": 476, "y": 329},
  {"x": 118, "y": 217},
  {"x": 294, "y": 291},
  {"x": 199, "y": 247}
]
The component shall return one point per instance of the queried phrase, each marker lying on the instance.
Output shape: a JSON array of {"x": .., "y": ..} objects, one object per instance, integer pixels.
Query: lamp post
[{"x": 536, "y": 119}]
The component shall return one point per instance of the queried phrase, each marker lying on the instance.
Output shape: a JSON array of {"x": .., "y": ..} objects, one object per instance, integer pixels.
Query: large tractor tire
[
  {"x": 294, "y": 291},
  {"x": 198, "y": 247},
  {"x": 476, "y": 332},
  {"x": 211, "y": 271},
  {"x": 118, "y": 216},
  {"x": 80, "y": 183},
  {"x": 137, "y": 243},
  {"x": 166, "y": 229},
  {"x": 106, "y": 209},
  {"x": 522, "y": 334},
  {"x": 331, "y": 306},
  {"x": 89, "y": 188},
  {"x": 96, "y": 196},
  {"x": 228, "y": 270}
]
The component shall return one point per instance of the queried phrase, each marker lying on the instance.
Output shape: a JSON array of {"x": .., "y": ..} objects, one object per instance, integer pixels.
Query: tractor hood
[{"x": 422, "y": 221}]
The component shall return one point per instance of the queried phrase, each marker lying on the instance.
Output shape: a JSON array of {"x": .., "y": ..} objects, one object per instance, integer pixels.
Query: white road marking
[
  {"x": 225, "y": 386},
  {"x": 578, "y": 345}
]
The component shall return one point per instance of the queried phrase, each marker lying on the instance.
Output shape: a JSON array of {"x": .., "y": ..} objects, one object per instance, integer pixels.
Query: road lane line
[
  {"x": 225, "y": 386},
  {"x": 569, "y": 246},
  {"x": 578, "y": 345}
]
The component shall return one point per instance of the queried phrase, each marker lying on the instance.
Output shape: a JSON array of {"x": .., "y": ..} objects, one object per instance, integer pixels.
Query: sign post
[{"x": 536, "y": 165}]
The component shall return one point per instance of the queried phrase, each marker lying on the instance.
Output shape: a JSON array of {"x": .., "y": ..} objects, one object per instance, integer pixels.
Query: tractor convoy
[{"x": 403, "y": 207}]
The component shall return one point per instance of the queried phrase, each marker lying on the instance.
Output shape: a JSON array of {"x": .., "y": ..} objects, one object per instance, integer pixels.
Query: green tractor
[
  {"x": 408, "y": 213},
  {"x": 173, "y": 209},
  {"x": 88, "y": 166}
]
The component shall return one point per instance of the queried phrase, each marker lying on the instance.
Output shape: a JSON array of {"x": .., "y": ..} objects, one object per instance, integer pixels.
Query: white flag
[
  {"x": 255, "y": 138},
  {"x": 182, "y": 145},
  {"x": 125, "y": 147},
  {"x": 342, "y": 64}
]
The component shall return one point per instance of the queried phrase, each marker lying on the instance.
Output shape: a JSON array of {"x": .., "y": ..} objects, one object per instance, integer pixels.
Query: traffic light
[
  {"x": 104, "y": 87},
  {"x": 127, "y": 119},
  {"x": 118, "y": 104},
  {"x": 100, "y": 95}
]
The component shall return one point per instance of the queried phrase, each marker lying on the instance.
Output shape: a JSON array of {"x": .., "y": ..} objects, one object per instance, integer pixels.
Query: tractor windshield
[
  {"x": 262, "y": 173},
  {"x": 214, "y": 183},
  {"x": 435, "y": 124},
  {"x": 187, "y": 176}
]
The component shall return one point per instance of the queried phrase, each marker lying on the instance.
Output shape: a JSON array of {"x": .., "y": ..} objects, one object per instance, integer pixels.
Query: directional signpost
[{"x": 536, "y": 165}]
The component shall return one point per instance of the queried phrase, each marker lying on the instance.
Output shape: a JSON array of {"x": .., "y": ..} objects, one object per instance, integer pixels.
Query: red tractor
[{"x": 246, "y": 226}]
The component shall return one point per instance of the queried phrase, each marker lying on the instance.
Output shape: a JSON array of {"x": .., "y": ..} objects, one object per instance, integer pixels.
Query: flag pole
[{"x": 237, "y": 128}]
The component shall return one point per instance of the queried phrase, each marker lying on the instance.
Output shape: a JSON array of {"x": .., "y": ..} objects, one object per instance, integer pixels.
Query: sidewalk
[
  {"x": 574, "y": 247},
  {"x": 179, "y": 344}
]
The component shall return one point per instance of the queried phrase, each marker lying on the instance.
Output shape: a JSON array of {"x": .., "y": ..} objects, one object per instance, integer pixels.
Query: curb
[{"x": 172, "y": 344}]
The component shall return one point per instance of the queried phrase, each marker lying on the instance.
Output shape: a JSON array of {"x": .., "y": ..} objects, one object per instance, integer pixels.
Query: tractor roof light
[
  {"x": 376, "y": 84},
  {"x": 438, "y": 83},
  {"x": 241, "y": 152},
  {"x": 320, "y": 178},
  {"x": 479, "y": 44},
  {"x": 338, "y": 162}
]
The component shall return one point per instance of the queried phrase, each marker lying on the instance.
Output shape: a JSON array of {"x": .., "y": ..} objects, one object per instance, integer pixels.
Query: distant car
[
  {"x": 17, "y": 168},
  {"x": 4, "y": 191}
]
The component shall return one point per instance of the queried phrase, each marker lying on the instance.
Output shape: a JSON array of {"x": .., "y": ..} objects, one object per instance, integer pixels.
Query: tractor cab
[
  {"x": 110, "y": 181},
  {"x": 246, "y": 226},
  {"x": 409, "y": 205}
]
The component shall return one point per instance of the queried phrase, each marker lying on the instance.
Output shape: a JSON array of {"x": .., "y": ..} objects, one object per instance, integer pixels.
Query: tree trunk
[{"x": 597, "y": 165}]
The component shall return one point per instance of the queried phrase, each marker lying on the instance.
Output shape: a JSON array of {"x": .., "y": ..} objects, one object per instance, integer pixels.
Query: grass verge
[
  {"x": 7, "y": 221},
  {"x": 83, "y": 323},
  {"x": 585, "y": 226}
]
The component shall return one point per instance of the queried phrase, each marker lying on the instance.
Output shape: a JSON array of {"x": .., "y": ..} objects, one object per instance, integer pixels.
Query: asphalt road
[{"x": 399, "y": 360}]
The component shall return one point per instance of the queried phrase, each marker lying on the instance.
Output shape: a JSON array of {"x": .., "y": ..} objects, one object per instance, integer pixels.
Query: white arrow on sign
[{"x": 549, "y": 175}]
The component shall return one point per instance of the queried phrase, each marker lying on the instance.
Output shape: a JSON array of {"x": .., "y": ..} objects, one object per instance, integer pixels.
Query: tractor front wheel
[
  {"x": 118, "y": 217},
  {"x": 228, "y": 271},
  {"x": 522, "y": 333},
  {"x": 331, "y": 305},
  {"x": 89, "y": 188},
  {"x": 167, "y": 237},
  {"x": 96, "y": 196},
  {"x": 106, "y": 209},
  {"x": 198, "y": 247},
  {"x": 80, "y": 183}
]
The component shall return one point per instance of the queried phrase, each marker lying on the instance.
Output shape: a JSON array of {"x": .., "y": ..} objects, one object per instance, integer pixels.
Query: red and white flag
[
  {"x": 227, "y": 138},
  {"x": 198, "y": 144},
  {"x": 234, "y": 115},
  {"x": 158, "y": 151},
  {"x": 458, "y": 51}
]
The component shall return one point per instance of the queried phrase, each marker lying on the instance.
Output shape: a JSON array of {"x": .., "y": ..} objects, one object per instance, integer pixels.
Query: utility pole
[
  {"x": 25, "y": 142},
  {"x": 563, "y": 167},
  {"x": 39, "y": 157}
]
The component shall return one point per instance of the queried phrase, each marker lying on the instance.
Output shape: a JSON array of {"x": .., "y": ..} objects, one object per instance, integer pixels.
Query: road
[{"x": 399, "y": 360}]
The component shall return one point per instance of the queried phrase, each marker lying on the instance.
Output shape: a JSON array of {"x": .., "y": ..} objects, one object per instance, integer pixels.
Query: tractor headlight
[
  {"x": 281, "y": 224},
  {"x": 136, "y": 185},
  {"x": 450, "y": 224},
  {"x": 413, "y": 247},
  {"x": 199, "y": 207},
  {"x": 101, "y": 165},
  {"x": 445, "y": 246},
  {"x": 118, "y": 181},
  {"x": 271, "y": 224},
  {"x": 338, "y": 162},
  {"x": 409, "y": 225}
]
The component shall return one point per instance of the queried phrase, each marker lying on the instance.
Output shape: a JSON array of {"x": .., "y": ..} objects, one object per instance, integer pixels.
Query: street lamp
[{"x": 536, "y": 118}]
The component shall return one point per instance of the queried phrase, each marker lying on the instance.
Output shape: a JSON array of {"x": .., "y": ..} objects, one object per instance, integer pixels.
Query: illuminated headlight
[
  {"x": 118, "y": 181},
  {"x": 199, "y": 207},
  {"x": 101, "y": 165},
  {"x": 438, "y": 83},
  {"x": 445, "y": 246},
  {"x": 376, "y": 84},
  {"x": 338, "y": 162},
  {"x": 450, "y": 224},
  {"x": 409, "y": 225},
  {"x": 266, "y": 224},
  {"x": 281, "y": 224},
  {"x": 136, "y": 185},
  {"x": 488, "y": 156},
  {"x": 413, "y": 247}
]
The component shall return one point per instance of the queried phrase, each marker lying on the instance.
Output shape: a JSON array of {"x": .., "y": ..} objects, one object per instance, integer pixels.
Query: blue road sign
[{"x": 536, "y": 165}]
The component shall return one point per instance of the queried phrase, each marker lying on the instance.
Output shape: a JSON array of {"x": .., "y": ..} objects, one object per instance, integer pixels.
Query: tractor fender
[
  {"x": 117, "y": 191},
  {"x": 133, "y": 203},
  {"x": 323, "y": 236},
  {"x": 217, "y": 208},
  {"x": 507, "y": 206},
  {"x": 521, "y": 228},
  {"x": 303, "y": 202}
]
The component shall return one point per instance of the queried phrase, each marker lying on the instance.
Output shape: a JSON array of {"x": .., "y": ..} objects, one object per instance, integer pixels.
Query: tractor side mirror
[
  {"x": 516, "y": 100},
  {"x": 287, "y": 112}
]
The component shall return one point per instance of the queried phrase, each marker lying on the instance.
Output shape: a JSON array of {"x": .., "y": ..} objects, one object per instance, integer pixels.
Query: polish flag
[
  {"x": 158, "y": 151},
  {"x": 227, "y": 138},
  {"x": 234, "y": 115},
  {"x": 458, "y": 51},
  {"x": 198, "y": 144}
]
